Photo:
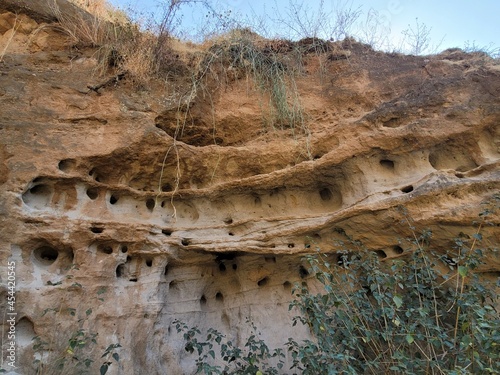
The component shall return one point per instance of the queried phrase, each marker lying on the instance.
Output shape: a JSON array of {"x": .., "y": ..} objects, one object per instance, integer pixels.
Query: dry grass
[{"x": 102, "y": 10}]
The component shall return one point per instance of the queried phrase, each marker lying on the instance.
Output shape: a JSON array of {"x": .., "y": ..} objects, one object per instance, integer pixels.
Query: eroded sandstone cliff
[{"x": 150, "y": 204}]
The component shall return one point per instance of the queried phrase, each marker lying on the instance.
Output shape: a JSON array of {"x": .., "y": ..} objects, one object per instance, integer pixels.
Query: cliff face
[{"x": 150, "y": 204}]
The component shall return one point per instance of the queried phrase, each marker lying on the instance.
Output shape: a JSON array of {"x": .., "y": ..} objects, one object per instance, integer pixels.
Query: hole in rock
[
  {"x": 96, "y": 230},
  {"x": 106, "y": 249},
  {"x": 167, "y": 232},
  {"x": 270, "y": 259},
  {"x": 133, "y": 279},
  {"x": 113, "y": 199},
  {"x": 66, "y": 165},
  {"x": 120, "y": 269},
  {"x": 459, "y": 175},
  {"x": 129, "y": 258},
  {"x": 124, "y": 248},
  {"x": 40, "y": 190},
  {"x": 386, "y": 163},
  {"x": 291, "y": 245},
  {"x": 381, "y": 254},
  {"x": 342, "y": 260},
  {"x": 287, "y": 285},
  {"x": 203, "y": 300},
  {"x": 165, "y": 271},
  {"x": 407, "y": 189},
  {"x": 263, "y": 282},
  {"x": 46, "y": 255},
  {"x": 185, "y": 242},
  {"x": 94, "y": 174},
  {"x": 222, "y": 267},
  {"x": 25, "y": 331},
  {"x": 149, "y": 262},
  {"x": 397, "y": 249},
  {"x": 166, "y": 187},
  {"x": 325, "y": 194},
  {"x": 150, "y": 204},
  {"x": 92, "y": 193},
  {"x": 228, "y": 221},
  {"x": 235, "y": 266},
  {"x": 230, "y": 255},
  {"x": 219, "y": 297},
  {"x": 303, "y": 272},
  {"x": 231, "y": 233}
]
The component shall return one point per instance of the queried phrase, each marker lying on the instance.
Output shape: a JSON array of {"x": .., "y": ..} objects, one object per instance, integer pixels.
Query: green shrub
[
  {"x": 398, "y": 317},
  {"x": 381, "y": 316}
]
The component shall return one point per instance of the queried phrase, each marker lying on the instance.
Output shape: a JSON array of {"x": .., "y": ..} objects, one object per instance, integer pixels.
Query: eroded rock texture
[{"x": 210, "y": 228}]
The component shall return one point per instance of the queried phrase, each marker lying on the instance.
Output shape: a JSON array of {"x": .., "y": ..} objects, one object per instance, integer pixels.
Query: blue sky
[{"x": 451, "y": 23}]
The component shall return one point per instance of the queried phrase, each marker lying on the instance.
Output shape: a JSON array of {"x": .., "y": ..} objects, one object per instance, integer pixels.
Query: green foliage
[
  {"x": 73, "y": 354},
  {"x": 252, "y": 359},
  {"x": 402, "y": 317},
  {"x": 392, "y": 316}
]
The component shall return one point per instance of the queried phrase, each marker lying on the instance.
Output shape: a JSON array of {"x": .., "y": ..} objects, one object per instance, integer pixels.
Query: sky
[{"x": 457, "y": 23}]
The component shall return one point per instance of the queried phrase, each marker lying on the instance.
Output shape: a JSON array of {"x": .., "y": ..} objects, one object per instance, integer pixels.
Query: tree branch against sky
[{"x": 457, "y": 23}]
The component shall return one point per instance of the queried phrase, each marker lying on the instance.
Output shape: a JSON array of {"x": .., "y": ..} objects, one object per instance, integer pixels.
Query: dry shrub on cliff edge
[{"x": 118, "y": 42}]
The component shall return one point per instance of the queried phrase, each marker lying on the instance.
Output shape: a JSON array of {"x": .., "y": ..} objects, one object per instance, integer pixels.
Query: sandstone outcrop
[{"x": 153, "y": 204}]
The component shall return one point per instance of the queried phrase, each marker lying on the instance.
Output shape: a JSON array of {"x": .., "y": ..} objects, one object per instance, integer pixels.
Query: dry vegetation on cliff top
[{"x": 150, "y": 52}]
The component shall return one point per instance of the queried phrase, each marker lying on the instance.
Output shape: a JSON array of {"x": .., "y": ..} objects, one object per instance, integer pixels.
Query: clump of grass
[
  {"x": 120, "y": 44},
  {"x": 241, "y": 53}
]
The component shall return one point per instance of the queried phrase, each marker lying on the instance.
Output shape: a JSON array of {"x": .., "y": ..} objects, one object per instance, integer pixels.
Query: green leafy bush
[{"x": 380, "y": 316}]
